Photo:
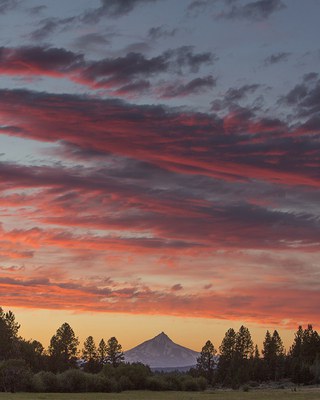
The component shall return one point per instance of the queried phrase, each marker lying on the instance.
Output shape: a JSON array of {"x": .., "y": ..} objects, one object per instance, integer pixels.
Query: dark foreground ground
[{"x": 284, "y": 394}]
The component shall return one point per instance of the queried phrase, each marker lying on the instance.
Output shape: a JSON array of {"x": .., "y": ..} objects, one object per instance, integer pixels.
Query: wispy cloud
[
  {"x": 276, "y": 58},
  {"x": 259, "y": 305},
  {"x": 161, "y": 158},
  {"x": 124, "y": 74},
  {"x": 113, "y": 8},
  {"x": 253, "y": 10}
]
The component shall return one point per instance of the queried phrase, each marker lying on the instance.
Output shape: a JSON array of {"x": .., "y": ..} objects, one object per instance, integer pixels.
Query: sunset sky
[{"x": 160, "y": 167}]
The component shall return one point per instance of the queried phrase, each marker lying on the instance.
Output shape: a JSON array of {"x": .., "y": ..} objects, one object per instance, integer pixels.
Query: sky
[{"x": 160, "y": 167}]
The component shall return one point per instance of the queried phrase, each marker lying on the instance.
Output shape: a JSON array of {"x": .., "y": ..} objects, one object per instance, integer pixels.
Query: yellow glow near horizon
[{"x": 131, "y": 330}]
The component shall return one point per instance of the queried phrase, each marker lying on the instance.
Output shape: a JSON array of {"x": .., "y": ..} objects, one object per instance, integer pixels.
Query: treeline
[
  {"x": 240, "y": 361},
  {"x": 26, "y": 365}
]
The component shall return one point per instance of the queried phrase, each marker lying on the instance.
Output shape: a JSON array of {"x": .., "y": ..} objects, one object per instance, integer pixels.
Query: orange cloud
[{"x": 260, "y": 305}]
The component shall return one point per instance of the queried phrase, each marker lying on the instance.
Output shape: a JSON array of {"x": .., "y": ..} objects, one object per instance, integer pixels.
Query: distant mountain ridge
[{"x": 161, "y": 352}]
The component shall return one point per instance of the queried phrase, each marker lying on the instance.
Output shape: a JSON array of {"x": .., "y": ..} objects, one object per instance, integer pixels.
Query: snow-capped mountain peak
[{"x": 162, "y": 352}]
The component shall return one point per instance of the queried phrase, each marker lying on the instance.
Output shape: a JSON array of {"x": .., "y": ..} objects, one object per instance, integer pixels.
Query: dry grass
[{"x": 301, "y": 394}]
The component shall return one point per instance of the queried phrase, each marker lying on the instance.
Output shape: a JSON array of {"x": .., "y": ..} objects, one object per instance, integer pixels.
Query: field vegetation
[
  {"x": 25, "y": 366},
  {"x": 300, "y": 394}
]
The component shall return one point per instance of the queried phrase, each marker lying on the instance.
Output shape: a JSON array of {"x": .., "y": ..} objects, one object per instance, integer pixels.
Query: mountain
[{"x": 162, "y": 353}]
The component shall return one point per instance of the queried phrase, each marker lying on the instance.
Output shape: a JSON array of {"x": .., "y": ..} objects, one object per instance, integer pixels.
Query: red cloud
[
  {"x": 259, "y": 305},
  {"x": 157, "y": 136},
  {"x": 124, "y": 74}
]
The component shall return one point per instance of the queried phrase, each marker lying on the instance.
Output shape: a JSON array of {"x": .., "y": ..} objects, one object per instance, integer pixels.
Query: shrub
[
  {"x": 14, "y": 375},
  {"x": 202, "y": 383},
  {"x": 156, "y": 383},
  {"x": 94, "y": 382},
  {"x": 110, "y": 385},
  {"x": 36, "y": 384},
  {"x": 137, "y": 373},
  {"x": 108, "y": 371},
  {"x": 174, "y": 381},
  {"x": 190, "y": 385},
  {"x": 72, "y": 380},
  {"x": 47, "y": 380},
  {"x": 125, "y": 383}
]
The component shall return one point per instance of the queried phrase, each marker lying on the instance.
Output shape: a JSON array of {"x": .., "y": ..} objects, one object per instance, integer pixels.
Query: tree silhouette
[
  {"x": 89, "y": 355},
  {"x": 13, "y": 373},
  {"x": 244, "y": 344},
  {"x": 273, "y": 355},
  {"x": 8, "y": 335},
  {"x": 206, "y": 361},
  {"x": 102, "y": 352},
  {"x": 235, "y": 352},
  {"x": 63, "y": 348},
  {"x": 304, "y": 356},
  {"x": 227, "y": 351},
  {"x": 32, "y": 352},
  {"x": 243, "y": 353},
  {"x": 115, "y": 355}
]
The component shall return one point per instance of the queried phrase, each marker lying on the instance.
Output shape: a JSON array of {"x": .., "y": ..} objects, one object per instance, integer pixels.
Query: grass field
[{"x": 301, "y": 394}]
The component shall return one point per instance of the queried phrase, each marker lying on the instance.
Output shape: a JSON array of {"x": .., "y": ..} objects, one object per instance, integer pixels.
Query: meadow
[{"x": 301, "y": 394}]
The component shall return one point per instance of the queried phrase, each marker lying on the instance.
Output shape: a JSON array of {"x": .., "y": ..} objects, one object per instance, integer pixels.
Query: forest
[{"x": 67, "y": 366}]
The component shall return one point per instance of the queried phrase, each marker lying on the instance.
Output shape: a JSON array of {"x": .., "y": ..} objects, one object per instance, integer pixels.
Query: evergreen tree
[
  {"x": 102, "y": 353},
  {"x": 206, "y": 361},
  {"x": 89, "y": 354},
  {"x": 278, "y": 345},
  {"x": 244, "y": 344},
  {"x": 256, "y": 355},
  {"x": 267, "y": 346},
  {"x": 32, "y": 352},
  {"x": 227, "y": 348},
  {"x": 243, "y": 353},
  {"x": 279, "y": 356},
  {"x": 89, "y": 351},
  {"x": 115, "y": 355},
  {"x": 236, "y": 352},
  {"x": 8, "y": 335},
  {"x": 310, "y": 345},
  {"x": 256, "y": 366},
  {"x": 304, "y": 355},
  {"x": 13, "y": 375},
  {"x": 296, "y": 349},
  {"x": 227, "y": 351},
  {"x": 63, "y": 348},
  {"x": 273, "y": 355}
]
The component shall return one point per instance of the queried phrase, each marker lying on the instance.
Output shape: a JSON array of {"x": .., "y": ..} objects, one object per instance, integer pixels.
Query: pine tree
[
  {"x": 279, "y": 356},
  {"x": 296, "y": 348},
  {"x": 115, "y": 355},
  {"x": 63, "y": 348},
  {"x": 296, "y": 357},
  {"x": 227, "y": 348},
  {"x": 12, "y": 325},
  {"x": 310, "y": 345},
  {"x": 206, "y": 361},
  {"x": 305, "y": 355},
  {"x": 267, "y": 346},
  {"x": 89, "y": 354},
  {"x": 8, "y": 335},
  {"x": 256, "y": 355},
  {"x": 89, "y": 351},
  {"x": 227, "y": 351},
  {"x": 273, "y": 355},
  {"x": 244, "y": 344},
  {"x": 102, "y": 352},
  {"x": 243, "y": 353},
  {"x": 32, "y": 352},
  {"x": 257, "y": 367},
  {"x": 278, "y": 345}
]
